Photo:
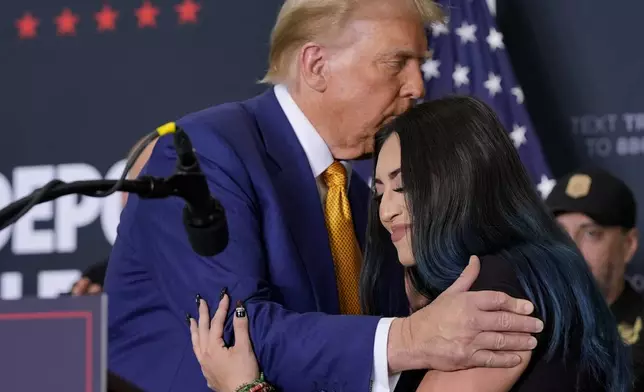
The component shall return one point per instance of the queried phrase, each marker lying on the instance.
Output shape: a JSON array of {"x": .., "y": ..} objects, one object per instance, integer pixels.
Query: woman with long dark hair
[{"x": 448, "y": 183}]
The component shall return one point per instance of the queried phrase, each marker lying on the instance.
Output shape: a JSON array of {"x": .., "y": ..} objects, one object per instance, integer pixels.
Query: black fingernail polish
[
  {"x": 188, "y": 318},
  {"x": 240, "y": 311},
  {"x": 224, "y": 291},
  {"x": 198, "y": 299}
]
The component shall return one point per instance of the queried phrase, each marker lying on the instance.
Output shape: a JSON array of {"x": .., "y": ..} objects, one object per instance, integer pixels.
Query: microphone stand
[
  {"x": 146, "y": 187},
  {"x": 208, "y": 234},
  {"x": 203, "y": 218}
]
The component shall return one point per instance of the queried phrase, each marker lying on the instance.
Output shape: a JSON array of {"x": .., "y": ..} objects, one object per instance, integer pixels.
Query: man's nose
[{"x": 415, "y": 85}]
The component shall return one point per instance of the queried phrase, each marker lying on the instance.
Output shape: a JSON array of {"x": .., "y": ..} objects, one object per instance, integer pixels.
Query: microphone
[{"x": 204, "y": 218}]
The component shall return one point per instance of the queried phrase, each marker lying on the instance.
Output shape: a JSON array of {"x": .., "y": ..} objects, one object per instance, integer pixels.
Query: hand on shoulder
[{"x": 462, "y": 329}]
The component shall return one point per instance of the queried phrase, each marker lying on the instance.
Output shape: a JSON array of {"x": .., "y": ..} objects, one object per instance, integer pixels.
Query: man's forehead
[{"x": 576, "y": 218}]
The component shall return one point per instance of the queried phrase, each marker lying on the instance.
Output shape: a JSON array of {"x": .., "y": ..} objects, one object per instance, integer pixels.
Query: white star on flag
[
  {"x": 495, "y": 39},
  {"x": 439, "y": 28},
  {"x": 467, "y": 32},
  {"x": 491, "y": 5},
  {"x": 545, "y": 186},
  {"x": 430, "y": 69},
  {"x": 460, "y": 75},
  {"x": 518, "y": 93},
  {"x": 493, "y": 84},
  {"x": 469, "y": 56},
  {"x": 518, "y": 135}
]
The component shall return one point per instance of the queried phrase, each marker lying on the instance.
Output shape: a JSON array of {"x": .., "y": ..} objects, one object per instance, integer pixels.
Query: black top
[
  {"x": 629, "y": 313},
  {"x": 557, "y": 375}
]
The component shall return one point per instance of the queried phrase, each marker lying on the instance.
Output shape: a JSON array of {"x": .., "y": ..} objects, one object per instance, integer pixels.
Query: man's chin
[{"x": 388, "y": 120}]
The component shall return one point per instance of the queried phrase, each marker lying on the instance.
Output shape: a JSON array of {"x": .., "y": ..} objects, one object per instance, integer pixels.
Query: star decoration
[
  {"x": 518, "y": 135},
  {"x": 545, "y": 186},
  {"x": 66, "y": 23},
  {"x": 460, "y": 75},
  {"x": 467, "y": 32},
  {"x": 495, "y": 39},
  {"x": 439, "y": 28},
  {"x": 518, "y": 93},
  {"x": 187, "y": 11},
  {"x": 147, "y": 15},
  {"x": 493, "y": 84},
  {"x": 491, "y": 5},
  {"x": 27, "y": 26},
  {"x": 106, "y": 18},
  {"x": 430, "y": 69}
]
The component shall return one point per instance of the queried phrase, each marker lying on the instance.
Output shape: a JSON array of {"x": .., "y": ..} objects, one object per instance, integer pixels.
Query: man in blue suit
[{"x": 340, "y": 72}]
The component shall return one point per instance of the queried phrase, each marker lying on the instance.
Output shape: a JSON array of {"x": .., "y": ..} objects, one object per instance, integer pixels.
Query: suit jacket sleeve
[{"x": 298, "y": 352}]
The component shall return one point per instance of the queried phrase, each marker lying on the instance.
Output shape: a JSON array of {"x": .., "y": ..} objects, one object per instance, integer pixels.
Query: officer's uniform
[{"x": 609, "y": 202}]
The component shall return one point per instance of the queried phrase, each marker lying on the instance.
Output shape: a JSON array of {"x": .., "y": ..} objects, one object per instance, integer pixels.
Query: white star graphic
[
  {"x": 545, "y": 186},
  {"x": 491, "y": 5},
  {"x": 495, "y": 39},
  {"x": 518, "y": 93},
  {"x": 493, "y": 84},
  {"x": 460, "y": 75},
  {"x": 467, "y": 32},
  {"x": 439, "y": 28},
  {"x": 518, "y": 135},
  {"x": 430, "y": 69}
]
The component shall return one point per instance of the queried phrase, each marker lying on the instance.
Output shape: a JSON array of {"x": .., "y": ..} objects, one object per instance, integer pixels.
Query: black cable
[
  {"x": 145, "y": 187},
  {"x": 53, "y": 189},
  {"x": 132, "y": 160}
]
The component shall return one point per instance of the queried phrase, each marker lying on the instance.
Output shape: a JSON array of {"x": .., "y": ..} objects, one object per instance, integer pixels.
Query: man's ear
[
  {"x": 313, "y": 61},
  {"x": 631, "y": 244}
]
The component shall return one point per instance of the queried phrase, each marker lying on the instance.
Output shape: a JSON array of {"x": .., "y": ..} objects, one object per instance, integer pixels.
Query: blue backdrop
[
  {"x": 75, "y": 100},
  {"x": 580, "y": 67},
  {"x": 81, "y": 81}
]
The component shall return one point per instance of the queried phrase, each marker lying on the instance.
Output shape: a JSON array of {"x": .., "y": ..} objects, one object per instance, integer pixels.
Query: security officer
[{"x": 599, "y": 211}]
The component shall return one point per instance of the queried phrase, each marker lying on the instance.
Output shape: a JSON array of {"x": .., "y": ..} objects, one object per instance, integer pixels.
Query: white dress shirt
[{"x": 320, "y": 158}]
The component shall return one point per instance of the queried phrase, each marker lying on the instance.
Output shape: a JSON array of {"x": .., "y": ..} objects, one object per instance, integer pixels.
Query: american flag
[{"x": 468, "y": 57}]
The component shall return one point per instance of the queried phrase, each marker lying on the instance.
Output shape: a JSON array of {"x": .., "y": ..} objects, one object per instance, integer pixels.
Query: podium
[{"x": 54, "y": 344}]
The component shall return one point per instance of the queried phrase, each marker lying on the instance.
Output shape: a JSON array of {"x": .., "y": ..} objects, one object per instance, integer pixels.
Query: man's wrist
[{"x": 400, "y": 351}]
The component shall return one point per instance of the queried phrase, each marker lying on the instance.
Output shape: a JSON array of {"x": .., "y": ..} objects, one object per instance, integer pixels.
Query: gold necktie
[{"x": 342, "y": 238}]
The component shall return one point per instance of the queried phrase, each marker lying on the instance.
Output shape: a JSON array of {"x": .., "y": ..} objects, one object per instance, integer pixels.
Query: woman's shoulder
[{"x": 499, "y": 274}]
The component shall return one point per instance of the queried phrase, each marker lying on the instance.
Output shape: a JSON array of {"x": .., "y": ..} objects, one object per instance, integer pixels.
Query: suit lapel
[{"x": 299, "y": 198}]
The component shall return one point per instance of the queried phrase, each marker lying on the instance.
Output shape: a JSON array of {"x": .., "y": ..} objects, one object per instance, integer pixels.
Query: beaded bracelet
[{"x": 259, "y": 385}]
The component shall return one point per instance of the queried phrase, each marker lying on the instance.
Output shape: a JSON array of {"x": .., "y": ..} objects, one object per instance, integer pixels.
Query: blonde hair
[{"x": 301, "y": 21}]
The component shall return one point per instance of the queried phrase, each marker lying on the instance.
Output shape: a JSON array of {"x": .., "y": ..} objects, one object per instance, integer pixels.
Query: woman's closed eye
[{"x": 378, "y": 196}]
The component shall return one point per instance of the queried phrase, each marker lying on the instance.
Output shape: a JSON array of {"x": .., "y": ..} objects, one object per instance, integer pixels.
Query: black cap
[{"x": 597, "y": 194}]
